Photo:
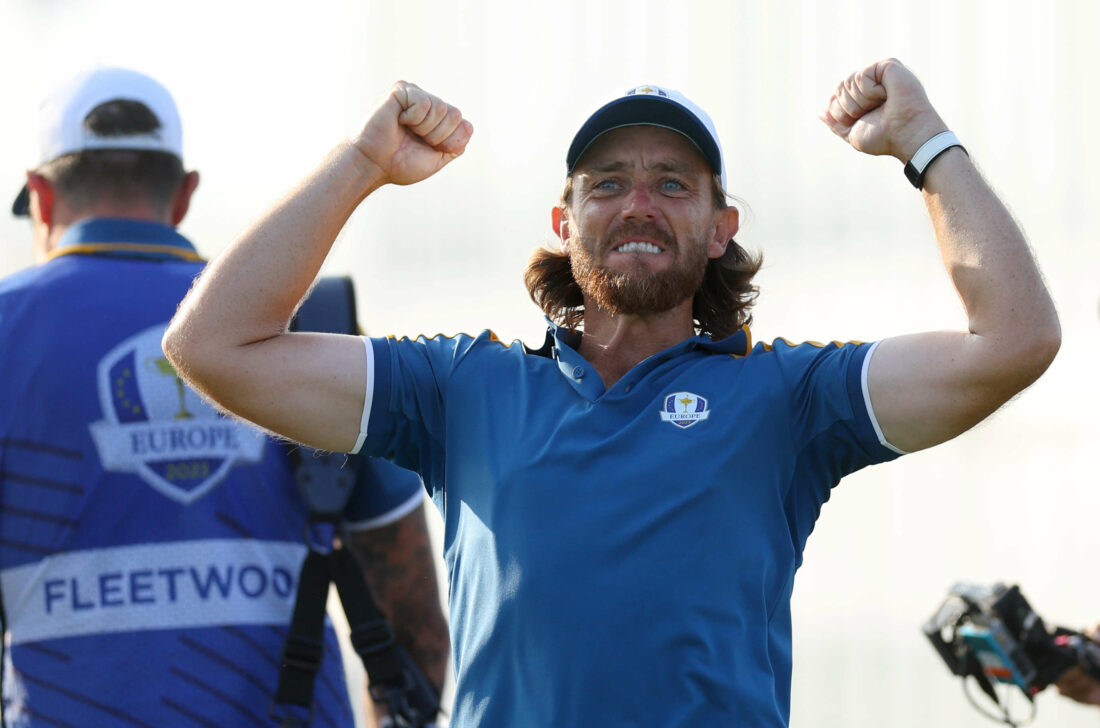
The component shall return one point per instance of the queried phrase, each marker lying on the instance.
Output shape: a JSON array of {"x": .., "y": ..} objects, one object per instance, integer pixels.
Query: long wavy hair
[{"x": 722, "y": 304}]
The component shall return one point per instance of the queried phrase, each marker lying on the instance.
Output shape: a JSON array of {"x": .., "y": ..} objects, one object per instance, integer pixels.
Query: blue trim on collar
[
  {"x": 563, "y": 345},
  {"x": 123, "y": 230},
  {"x": 737, "y": 343}
]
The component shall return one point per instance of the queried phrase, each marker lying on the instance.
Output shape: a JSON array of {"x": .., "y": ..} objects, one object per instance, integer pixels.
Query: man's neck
[
  {"x": 68, "y": 218},
  {"x": 615, "y": 344}
]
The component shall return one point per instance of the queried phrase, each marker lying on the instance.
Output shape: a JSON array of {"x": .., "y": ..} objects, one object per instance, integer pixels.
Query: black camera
[{"x": 994, "y": 636}]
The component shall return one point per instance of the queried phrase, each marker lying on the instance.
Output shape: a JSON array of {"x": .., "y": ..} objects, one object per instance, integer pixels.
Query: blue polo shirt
[
  {"x": 623, "y": 556},
  {"x": 149, "y": 547}
]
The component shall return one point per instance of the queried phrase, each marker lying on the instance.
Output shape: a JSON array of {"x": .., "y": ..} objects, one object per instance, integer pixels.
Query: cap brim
[
  {"x": 644, "y": 111},
  {"x": 22, "y": 205}
]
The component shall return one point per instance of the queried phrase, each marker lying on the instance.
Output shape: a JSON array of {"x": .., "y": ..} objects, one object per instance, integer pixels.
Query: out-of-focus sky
[{"x": 266, "y": 88}]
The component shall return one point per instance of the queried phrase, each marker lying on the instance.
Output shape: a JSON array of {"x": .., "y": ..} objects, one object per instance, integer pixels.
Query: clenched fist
[
  {"x": 883, "y": 110},
  {"x": 412, "y": 134}
]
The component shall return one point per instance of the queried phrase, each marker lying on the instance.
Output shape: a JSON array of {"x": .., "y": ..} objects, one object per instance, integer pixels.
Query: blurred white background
[{"x": 266, "y": 88}]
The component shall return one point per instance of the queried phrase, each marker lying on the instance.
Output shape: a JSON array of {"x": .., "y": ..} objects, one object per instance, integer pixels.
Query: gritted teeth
[{"x": 635, "y": 246}]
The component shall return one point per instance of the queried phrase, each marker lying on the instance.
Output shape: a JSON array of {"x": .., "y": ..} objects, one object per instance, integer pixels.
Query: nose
[{"x": 638, "y": 204}]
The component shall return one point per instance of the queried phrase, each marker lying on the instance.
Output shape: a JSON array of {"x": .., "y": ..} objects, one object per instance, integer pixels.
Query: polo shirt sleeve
[
  {"x": 832, "y": 424},
  {"x": 406, "y": 419},
  {"x": 831, "y": 417},
  {"x": 383, "y": 494}
]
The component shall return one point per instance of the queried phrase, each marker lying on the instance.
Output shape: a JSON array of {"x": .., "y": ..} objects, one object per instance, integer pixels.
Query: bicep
[
  {"x": 307, "y": 387},
  {"x": 928, "y": 388}
]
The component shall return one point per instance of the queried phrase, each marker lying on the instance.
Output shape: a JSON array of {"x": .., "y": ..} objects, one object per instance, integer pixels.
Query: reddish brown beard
[{"x": 639, "y": 293}]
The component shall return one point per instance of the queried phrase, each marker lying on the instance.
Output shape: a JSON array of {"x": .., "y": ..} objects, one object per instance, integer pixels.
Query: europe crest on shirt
[
  {"x": 159, "y": 429},
  {"x": 684, "y": 409}
]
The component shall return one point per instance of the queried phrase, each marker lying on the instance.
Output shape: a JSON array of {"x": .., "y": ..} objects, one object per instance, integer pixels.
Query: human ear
[
  {"x": 181, "y": 202},
  {"x": 726, "y": 224},
  {"x": 560, "y": 222},
  {"x": 41, "y": 207}
]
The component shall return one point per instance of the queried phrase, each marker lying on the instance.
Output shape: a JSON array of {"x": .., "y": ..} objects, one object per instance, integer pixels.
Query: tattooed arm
[{"x": 400, "y": 570}]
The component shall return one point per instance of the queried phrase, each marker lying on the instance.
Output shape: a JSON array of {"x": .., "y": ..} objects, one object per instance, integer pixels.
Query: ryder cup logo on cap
[
  {"x": 60, "y": 123},
  {"x": 652, "y": 106}
]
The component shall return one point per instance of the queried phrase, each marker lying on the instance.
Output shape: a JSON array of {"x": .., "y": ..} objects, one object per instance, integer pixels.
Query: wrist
[
  {"x": 928, "y": 152},
  {"x": 368, "y": 174},
  {"x": 916, "y": 133}
]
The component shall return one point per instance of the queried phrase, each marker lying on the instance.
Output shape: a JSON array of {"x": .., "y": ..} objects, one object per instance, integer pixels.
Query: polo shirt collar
[
  {"x": 122, "y": 237},
  {"x": 737, "y": 344},
  {"x": 562, "y": 345}
]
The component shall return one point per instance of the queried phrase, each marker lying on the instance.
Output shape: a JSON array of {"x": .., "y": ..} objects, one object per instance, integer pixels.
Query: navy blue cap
[{"x": 651, "y": 106}]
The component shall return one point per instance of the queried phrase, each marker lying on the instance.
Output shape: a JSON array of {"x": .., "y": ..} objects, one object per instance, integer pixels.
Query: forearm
[
  {"x": 400, "y": 570},
  {"x": 249, "y": 292},
  {"x": 1011, "y": 317},
  {"x": 929, "y": 387},
  {"x": 229, "y": 337}
]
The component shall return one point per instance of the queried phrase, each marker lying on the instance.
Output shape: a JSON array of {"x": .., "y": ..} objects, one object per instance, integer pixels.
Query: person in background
[
  {"x": 150, "y": 546},
  {"x": 1076, "y": 684}
]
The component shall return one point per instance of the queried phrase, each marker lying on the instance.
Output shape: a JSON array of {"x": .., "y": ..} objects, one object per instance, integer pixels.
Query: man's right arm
[{"x": 230, "y": 340}]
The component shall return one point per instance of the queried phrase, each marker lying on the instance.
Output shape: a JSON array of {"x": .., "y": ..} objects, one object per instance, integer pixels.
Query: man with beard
[{"x": 625, "y": 508}]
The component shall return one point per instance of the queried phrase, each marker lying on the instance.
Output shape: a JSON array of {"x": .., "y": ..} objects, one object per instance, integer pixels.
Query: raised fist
[
  {"x": 883, "y": 110},
  {"x": 412, "y": 134}
]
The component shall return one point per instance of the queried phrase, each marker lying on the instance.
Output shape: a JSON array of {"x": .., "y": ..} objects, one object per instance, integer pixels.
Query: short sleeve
[
  {"x": 828, "y": 403},
  {"x": 383, "y": 494},
  {"x": 407, "y": 420},
  {"x": 832, "y": 425}
]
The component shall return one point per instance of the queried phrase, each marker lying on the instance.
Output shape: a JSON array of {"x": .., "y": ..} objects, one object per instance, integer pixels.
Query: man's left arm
[{"x": 927, "y": 388}]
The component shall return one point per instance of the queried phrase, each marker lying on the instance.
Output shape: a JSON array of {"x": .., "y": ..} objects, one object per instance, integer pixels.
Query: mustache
[{"x": 633, "y": 230}]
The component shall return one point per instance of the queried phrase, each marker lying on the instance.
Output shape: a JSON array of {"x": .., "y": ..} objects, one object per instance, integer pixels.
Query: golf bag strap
[
  {"x": 305, "y": 645},
  {"x": 371, "y": 635},
  {"x": 325, "y": 482},
  {"x": 395, "y": 679}
]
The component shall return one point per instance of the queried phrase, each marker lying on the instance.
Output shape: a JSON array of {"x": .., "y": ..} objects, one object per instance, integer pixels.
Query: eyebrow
[{"x": 618, "y": 166}]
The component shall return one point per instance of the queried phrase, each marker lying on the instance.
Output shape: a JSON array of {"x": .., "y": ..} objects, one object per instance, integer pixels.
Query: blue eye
[
  {"x": 672, "y": 185},
  {"x": 607, "y": 184}
]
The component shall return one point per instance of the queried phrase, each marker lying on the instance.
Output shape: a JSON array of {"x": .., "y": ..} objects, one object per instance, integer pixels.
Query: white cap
[{"x": 60, "y": 128}]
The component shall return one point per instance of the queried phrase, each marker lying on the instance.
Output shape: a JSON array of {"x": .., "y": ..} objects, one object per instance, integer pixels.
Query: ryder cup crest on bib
[
  {"x": 159, "y": 429},
  {"x": 684, "y": 409}
]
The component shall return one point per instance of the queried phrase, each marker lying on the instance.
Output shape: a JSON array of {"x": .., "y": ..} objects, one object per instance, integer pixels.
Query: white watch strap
[
  {"x": 931, "y": 149},
  {"x": 934, "y": 147}
]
